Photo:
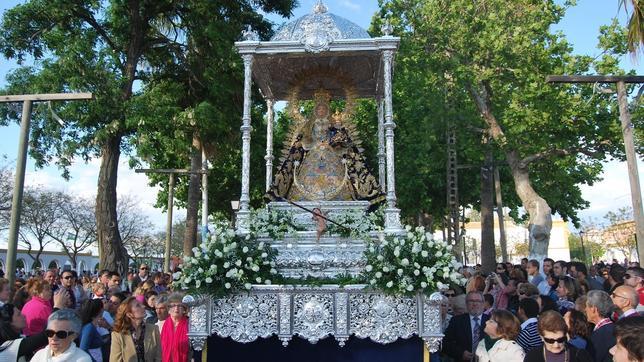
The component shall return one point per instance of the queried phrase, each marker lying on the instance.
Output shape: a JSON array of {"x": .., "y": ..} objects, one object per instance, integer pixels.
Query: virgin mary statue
[{"x": 323, "y": 163}]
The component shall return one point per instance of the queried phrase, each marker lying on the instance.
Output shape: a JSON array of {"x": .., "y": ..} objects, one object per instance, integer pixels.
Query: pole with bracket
[{"x": 21, "y": 163}]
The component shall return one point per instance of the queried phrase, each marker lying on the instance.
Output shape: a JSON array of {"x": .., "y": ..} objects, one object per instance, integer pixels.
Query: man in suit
[
  {"x": 599, "y": 307},
  {"x": 466, "y": 330}
]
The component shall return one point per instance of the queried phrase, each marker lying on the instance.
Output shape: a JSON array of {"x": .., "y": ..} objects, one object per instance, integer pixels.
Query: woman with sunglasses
[
  {"x": 174, "y": 335},
  {"x": 553, "y": 331},
  {"x": 63, "y": 326},
  {"x": 133, "y": 340}
]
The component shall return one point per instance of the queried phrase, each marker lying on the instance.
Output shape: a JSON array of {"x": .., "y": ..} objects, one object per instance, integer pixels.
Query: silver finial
[
  {"x": 249, "y": 34},
  {"x": 319, "y": 8},
  {"x": 386, "y": 28}
]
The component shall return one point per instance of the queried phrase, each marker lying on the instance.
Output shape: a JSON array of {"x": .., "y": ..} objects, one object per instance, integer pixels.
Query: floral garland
[
  {"x": 356, "y": 224},
  {"x": 411, "y": 263},
  {"x": 272, "y": 223},
  {"x": 226, "y": 262}
]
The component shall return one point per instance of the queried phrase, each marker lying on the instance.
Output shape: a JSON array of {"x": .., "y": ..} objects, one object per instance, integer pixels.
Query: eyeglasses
[
  {"x": 449, "y": 294},
  {"x": 627, "y": 276},
  {"x": 553, "y": 340},
  {"x": 60, "y": 334},
  {"x": 145, "y": 268},
  {"x": 522, "y": 293},
  {"x": 617, "y": 295},
  {"x": 68, "y": 277}
]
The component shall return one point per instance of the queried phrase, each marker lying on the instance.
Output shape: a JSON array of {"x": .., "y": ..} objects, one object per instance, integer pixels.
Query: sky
[{"x": 580, "y": 26}]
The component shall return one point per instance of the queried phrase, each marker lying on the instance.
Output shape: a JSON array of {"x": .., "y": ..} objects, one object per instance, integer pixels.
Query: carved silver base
[
  {"x": 302, "y": 255},
  {"x": 315, "y": 313}
]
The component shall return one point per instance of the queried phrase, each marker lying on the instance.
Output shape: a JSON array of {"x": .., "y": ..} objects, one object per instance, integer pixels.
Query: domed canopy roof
[{"x": 320, "y": 23}]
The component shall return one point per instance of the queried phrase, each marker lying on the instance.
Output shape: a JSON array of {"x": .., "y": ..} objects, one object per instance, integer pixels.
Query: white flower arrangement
[
  {"x": 411, "y": 263},
  {"x": 274, "y": 224},
  {"x": 226, "y": 262},
  {"x": 357, "y": 224}
]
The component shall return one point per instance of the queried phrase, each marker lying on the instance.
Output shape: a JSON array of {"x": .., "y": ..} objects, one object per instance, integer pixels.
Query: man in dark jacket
[
  {"x": 599, "y": 307},
  {"x": 465, "y": 331}
]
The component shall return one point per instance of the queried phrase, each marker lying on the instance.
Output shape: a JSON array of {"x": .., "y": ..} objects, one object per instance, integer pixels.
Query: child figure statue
[{"x": 320, "y": 222}]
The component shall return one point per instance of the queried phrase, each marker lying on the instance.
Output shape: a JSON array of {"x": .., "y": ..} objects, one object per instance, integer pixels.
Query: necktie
[{"x": 476, "y": 334}]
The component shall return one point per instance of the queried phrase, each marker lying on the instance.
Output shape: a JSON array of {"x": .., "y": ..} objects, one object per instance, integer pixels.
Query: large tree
[
  {"x": 551, "y": 138},
  {"x": 85, "y": 46},
  {"x": 199, "y": 101},
  {"x": 105, "y": 47}
]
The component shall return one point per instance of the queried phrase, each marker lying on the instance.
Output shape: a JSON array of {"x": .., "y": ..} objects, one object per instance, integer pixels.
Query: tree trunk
[
  {"x": 194, "y": 195},
  {"x": 113, "y": 255},
  {"x": 538, "y": 209},
  {"x": 488, "y": 251},
  {"x": 540, "y": 222}
]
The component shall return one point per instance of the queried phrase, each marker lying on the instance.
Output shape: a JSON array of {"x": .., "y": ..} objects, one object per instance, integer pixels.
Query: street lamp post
[{"x": 583, "y": 249}]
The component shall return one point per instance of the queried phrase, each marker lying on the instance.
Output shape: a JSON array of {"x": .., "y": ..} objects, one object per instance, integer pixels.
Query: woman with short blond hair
[{"x": 499, "y": 343}]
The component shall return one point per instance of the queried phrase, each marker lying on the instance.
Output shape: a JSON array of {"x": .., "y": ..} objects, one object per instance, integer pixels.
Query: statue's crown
[{"x": 321, "y": 96}]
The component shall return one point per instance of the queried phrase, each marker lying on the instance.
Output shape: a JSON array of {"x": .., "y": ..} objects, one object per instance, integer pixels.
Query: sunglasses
[
  {"x": 146, "y": 268},
  {"x": 553, "y": 340},
  {"x": 60, "y": 334},
  {"x": 68, "y": 277}
]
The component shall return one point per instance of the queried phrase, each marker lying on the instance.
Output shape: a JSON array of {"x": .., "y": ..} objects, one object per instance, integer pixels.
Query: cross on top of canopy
[{"x": 318, "y": 50}]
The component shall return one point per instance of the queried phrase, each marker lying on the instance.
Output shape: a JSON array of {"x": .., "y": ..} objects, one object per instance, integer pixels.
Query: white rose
[
  {"x": 245, "y": 249},
  {"x": 416, "y": 265},
  {"x": 372, "y": 281},
  {"x": 260, "y": 245},
  {"x": 267, "y": 282},
  {"x": 416, "y": 272},
  {"x": 227, "y": 285},
  {"x": 385, "y": 269},
  {"x": 380, "y": 258},
  {"x": 390, "y": 284},
  {"x": 264, "y": 255},
  {"x": 404, "y": 262},
  {"x": 247, "y": 285},
  {"x": 400, "y": 272},
  {"x": 368, "y": 268},
  {"x": 408, "y": 227},
  {"x": 209, "y": 280},
  {"x": 441, "y": 286},
  {"x": 226, "y": 265},
  {"x": 273, "y": 271},
  {"x": 397, "y": 252},
  {"x": 439, "y": 254},
  {"x": 198, "y": 283},
  {"x": 378, "y": 275},
  {"x": 424, "y": 253},
  {"x": 200, "y": 270},
  {"x": 238, "y": 263},
  {"x": 258, "y": 279},
  {"x": 423, "y": 285},
  {"x": 289, "y": 245},
  {"x": 410, "y": 288}
]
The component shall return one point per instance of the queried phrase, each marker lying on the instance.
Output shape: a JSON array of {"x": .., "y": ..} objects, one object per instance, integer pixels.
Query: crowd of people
[
  {"x": 549, "y": 311},
  {"x": 59, "y": 316}
]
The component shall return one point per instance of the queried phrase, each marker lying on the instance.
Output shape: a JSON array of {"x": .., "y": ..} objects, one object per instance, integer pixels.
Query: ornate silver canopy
[{"x": 318, "y": 29}]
